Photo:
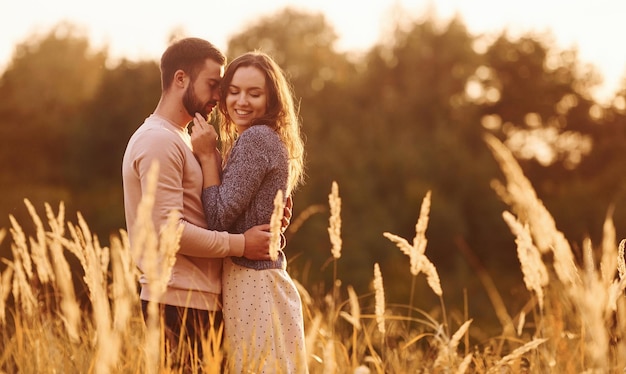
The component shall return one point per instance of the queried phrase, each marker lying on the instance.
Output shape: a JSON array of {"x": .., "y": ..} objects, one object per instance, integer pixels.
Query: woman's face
[{"x": 247, "y": 97}]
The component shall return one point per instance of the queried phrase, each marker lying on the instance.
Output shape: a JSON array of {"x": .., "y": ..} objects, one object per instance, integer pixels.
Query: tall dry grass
[{"x": 573, "y": 323}]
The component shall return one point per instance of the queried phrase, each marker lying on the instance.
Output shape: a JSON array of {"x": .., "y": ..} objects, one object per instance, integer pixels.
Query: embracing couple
[{"x": 223, "y": 271}]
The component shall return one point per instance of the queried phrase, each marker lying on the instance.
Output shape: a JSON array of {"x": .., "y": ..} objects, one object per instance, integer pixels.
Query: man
[{"x": 191, "y": 70}]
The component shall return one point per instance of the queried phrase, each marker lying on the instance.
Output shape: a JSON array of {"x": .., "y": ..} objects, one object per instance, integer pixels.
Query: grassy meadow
[{"x": 572, "y": 322}]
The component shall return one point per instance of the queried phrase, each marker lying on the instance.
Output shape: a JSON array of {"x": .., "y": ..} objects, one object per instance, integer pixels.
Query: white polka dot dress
[{"x": 263, "y": 324}]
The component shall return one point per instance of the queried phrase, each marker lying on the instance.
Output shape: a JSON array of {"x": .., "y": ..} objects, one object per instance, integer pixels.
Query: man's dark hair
[{"x": 188, "y": 55}]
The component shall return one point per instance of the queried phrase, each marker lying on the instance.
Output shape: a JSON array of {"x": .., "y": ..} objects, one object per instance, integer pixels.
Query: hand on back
[{"x": 257, "y": 246}]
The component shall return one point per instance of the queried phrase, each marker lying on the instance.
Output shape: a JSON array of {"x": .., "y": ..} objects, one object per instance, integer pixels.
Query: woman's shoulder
[
  {"x": 260, "y": 130},
  {"x": 260, "y": 134},
  {"x": 261, "y": 140}
]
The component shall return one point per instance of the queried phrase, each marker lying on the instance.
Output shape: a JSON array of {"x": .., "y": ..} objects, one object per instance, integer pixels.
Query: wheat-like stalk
[
  {"x": 608, "y": 261},
  {"x": 520, "y": 323},
  {"x": 521, "y": 196},
  {"x": 419, "y": 262},
  {"x": 379, "y": 295},
  {"x": 620, "y": 348},
  {"x": 22, "y": 270},
  {"x": 213, "y": 354},
  {"x": 420, "y": 241},
  {"x": 617, "y": 287},
  {"x": 464, "y": 365},
  {"x": 592, "y": 301},
  {"x": 447, "y": 354},
  {"x": 592, "y": 294},
  {"x": 301, "y": 218},
  {"x": 5, "y": 291},
  {"x": 535, "y": 273},
  {"x": 70, "y": 310},
  {"x": 334, "y": 232},
  {"x": 38, "y": 248},
  {"x": 123, "y": 284},
  {"x": 97, "y": 260},
  {"x": 311, "y": 336},
  {"x": 517, "y": 353},
  {"x": 458, "y": 335},
  {"x": 354, "y": 317},
  {"x": 416, "y": 252},
  {"x": 330, "y": 361},
  {"x": 432, "y": 277},
  {"x": 621, "y": 262},
  {"x": 334, "y": 227},
  {"x": 275, "y": 224}
]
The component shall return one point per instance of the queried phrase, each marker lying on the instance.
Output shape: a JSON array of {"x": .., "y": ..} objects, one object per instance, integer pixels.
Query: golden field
[{"x": 573, "y": 321}]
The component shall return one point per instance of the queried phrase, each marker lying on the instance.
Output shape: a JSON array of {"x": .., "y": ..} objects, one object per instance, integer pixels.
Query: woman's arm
[
  {"x": 247, "y": 168},
  {"x": 204, "y": 143}
]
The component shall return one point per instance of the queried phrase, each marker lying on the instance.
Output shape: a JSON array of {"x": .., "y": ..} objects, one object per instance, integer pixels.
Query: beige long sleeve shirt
[{"x": 195, "y": 280}]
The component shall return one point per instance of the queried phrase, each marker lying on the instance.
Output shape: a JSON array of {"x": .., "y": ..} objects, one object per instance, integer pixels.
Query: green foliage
[
  {"x": 128, "y": 93},
  {"x": 45, "y": 86}
]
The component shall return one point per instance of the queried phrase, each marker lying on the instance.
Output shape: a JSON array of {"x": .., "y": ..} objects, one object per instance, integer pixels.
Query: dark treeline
[{"x": 405, "y": 117}]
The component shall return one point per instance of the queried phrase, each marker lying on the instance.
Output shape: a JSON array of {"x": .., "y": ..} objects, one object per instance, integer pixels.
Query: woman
[{"x": 263, "y": 153}]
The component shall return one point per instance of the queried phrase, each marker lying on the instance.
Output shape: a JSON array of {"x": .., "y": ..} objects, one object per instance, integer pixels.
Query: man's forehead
[{"x": 212, "y": 70}]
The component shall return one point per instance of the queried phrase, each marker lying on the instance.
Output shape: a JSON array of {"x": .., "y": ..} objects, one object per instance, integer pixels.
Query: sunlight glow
[
  {"x": 532, "y": 120},
  {"x": 596, "y": 112},
  {"x": 547, "y": 145},
  {"x": 558, "y": 21},
  {"x": 480, "y": 89},
  {"x": 566, "y": 103},
  {"x": 491, "y": 122},
  {"x": 620, "y": 103}
]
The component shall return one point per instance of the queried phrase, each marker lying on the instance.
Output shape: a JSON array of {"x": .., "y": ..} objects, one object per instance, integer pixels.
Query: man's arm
[
  {"x": 195, "y": 241},
  {"x": 257, "y": 243}
]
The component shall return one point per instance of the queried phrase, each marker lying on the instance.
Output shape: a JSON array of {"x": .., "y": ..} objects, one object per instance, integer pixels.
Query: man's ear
[{"x": 179, "y": 78}]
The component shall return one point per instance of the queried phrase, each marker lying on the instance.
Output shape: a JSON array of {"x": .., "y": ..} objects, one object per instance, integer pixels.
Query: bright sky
[{"x": 140, "y": 28}]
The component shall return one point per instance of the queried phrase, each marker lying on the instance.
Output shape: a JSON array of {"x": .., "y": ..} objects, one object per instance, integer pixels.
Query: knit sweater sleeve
[{"x": 251, "y": 160}]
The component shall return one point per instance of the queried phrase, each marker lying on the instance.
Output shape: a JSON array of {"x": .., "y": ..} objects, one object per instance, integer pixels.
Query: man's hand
[
  {"x": 203, "y": 139},
  {"x": 257, "y": 246},
  {"x": 286, "y": 214},
  {"x": 204, "y": 145}
]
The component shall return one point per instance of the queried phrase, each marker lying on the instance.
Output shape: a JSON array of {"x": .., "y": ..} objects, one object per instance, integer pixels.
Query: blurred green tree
[
  {"x": 546, "y": 115},
  {"x": 129, "y": 92},
  {"x": 426, "y": 136},
  {"x": 45, "y": 86}
]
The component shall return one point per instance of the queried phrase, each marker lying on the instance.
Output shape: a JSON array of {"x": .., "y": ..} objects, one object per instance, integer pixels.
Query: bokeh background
[{"x": 388, "y": 121}]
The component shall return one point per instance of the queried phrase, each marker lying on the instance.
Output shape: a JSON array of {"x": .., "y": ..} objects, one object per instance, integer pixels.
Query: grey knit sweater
[{"x": 258, "y": 166}]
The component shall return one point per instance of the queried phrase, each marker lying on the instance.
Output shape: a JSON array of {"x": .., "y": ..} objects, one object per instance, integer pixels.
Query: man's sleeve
[{"x": 195, "y": 241}]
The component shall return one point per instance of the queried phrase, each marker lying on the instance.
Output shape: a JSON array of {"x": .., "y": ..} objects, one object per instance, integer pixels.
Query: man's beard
[{"x": 192, "y": 104}]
